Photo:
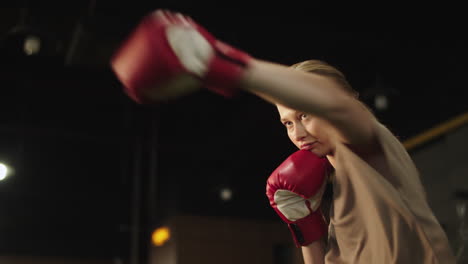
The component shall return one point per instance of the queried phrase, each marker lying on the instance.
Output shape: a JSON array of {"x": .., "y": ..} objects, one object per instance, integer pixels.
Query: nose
[{"x": 299, "y": 132}]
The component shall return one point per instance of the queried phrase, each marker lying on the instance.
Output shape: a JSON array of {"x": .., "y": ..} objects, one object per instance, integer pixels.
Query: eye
[
  {"x": 287, "y": 123},
  {"x": 303, "y": 116}
]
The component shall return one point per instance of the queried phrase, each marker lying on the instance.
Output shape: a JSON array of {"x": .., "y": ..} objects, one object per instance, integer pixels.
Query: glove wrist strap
[
  {"x": 225, "y": 70},
  {"x": 308, "y": 229}
]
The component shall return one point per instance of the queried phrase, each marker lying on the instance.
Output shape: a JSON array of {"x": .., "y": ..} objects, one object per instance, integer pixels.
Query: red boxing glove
[
  {"x": 295, "y": 192},
  {"x": 168, "y": 55}
]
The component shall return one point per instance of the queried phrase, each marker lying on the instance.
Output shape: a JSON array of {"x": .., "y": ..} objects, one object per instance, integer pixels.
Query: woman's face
[{"x": 306, "y": 131}]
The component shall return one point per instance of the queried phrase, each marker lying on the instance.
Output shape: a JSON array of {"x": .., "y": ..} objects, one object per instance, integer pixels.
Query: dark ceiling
[{"x": 88, "y": 160}]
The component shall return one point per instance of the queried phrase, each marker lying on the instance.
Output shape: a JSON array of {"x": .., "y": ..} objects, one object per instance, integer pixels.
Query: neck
[{"x": 331, "y": 159}]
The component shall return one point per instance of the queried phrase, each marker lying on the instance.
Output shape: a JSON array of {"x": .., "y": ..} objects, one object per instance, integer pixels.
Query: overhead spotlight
[
  {"x": 3, "y": 171},
  {"x": 381, "y": 102},
  {"x": 32, "y": 45},
  {"x": 27, "y": 38},
  {"x": 380, "y": 95},
  {"x": 26, "y": 42},
  {"x": 225, "y": 194}
]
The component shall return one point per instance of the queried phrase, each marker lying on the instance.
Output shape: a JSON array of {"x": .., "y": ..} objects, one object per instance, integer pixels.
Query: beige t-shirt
[{"x": 380, "y": 213}]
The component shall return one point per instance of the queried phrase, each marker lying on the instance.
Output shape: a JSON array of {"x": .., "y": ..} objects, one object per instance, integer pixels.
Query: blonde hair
[{"x": 324, "y": 69}]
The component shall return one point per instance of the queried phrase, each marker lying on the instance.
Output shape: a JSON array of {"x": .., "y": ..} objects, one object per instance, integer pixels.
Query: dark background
[{"x": 91, "y": 165}]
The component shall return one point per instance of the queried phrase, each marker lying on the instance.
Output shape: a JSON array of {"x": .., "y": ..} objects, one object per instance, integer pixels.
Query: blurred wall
[
  {"x": 443, "y": 165},
  {"x": 202, "y": 239}
]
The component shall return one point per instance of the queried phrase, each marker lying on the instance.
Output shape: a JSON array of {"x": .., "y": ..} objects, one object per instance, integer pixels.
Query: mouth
[{"x": 308, "y": 146}]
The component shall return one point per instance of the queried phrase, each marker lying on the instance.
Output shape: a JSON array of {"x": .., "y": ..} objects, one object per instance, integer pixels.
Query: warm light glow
[
  {"x": 381, "y": 102},
  {"x": 225, "y": 194},
  {"x": 161, "y": 236},
  {"x": 32, "y": 45},
  {"x": 3, "y": 171}
]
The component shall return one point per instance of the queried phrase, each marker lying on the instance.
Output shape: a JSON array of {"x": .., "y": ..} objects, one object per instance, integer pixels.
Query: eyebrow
[
  {"x": 282, "y": 119},
  {"x": 288, "y": 116}
]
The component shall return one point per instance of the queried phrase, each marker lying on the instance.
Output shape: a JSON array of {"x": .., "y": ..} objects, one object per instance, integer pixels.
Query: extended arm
[
  {"x": 312, "y": 94},
  {"x": 168, "y": 54}
]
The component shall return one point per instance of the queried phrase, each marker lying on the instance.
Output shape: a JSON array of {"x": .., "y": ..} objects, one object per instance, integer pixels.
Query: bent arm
[
  {"x": 314, "y": 253},
  {"x": 311, "y": 93}
]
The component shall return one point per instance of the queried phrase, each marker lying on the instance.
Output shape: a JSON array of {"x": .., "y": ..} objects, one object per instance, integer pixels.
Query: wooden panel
[{"x": 226, "y": 240}]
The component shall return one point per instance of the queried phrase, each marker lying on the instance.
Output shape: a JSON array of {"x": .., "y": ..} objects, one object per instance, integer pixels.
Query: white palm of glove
[
  {"x": 294, "y": 206},
  {"x": 191, "y": 48}
]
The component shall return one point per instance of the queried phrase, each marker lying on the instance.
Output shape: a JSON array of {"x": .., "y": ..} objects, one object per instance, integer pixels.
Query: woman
[
  {"x": 379, "y": 214},
  {"x": 379, "y": 209}
]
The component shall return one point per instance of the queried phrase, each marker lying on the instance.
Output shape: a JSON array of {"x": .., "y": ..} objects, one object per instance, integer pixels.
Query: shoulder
[{"x": 366, "y": 128}]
